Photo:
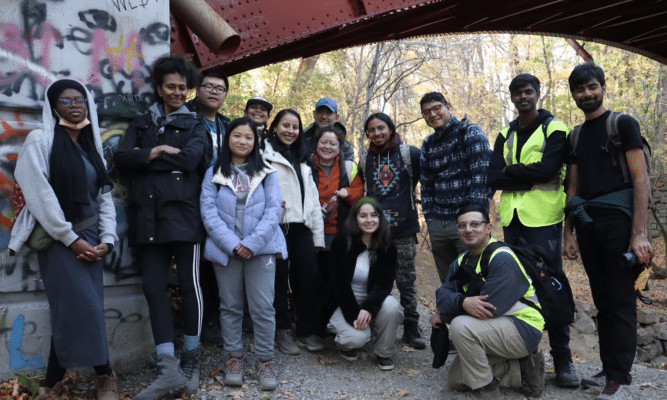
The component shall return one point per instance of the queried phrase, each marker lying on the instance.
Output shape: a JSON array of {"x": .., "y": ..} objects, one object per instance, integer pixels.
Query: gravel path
[{"x": 325, "y": 375}]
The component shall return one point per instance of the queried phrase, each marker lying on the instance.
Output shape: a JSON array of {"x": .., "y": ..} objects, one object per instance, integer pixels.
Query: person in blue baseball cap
[{"x": 325, "y": 115}]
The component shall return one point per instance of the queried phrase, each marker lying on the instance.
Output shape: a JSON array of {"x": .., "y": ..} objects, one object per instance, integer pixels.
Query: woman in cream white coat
[{"x": 304, "y": 231}]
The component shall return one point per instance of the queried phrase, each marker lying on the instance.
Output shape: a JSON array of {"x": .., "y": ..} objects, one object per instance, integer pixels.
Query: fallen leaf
[
  {"x": 412, "y": 373},
  {"x": 407, "y": 349},
  {"x": 401, "y": 392},
  {"x": 237, "y": 395},
  {"x": 645, "y": 385}
]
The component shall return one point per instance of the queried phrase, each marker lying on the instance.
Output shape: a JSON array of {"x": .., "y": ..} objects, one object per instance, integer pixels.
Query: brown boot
[{"x": 107, "y": 387}]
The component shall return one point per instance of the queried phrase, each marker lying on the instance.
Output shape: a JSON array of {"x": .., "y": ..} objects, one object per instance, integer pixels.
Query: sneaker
[
  {"x": 349, "y": 355},
  {"x": 566, "y": 375},
  {"x": 107, "y": 387},
  {"x": 285, "y": 342},
  {"x": 190, "y": 366},
  {"x": 598, "y": 380},
  {"x": 488, "y": 392},
  {"x": 532, "y": 375},
  {"x": 211, "y": 334},
  {"x": 311, "y": 343},
  {"x": 234, "y": 372},
  {"x": 412, "y": 337},
  {"x": 385, "y": 363},
  {"x": 267, "y": 375},
  {"x": 170, "y": 379},
  {"x": 616, "y": 391}
]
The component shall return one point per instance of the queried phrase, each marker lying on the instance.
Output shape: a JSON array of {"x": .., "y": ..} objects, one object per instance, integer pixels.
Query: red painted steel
[{"x": 279, "y": 30}]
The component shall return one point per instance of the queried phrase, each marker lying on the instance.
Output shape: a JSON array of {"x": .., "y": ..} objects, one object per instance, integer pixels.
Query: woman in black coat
[
  {"x": 362, "y": 267},
  {"x": 162, "y": 155}
]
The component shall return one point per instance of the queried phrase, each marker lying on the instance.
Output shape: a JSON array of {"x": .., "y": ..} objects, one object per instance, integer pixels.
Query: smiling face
[
  {"x": 525, "y": 99},
  {"x": 589, "y": 96},
  {"x": 368, "y": 219},
  {"x": 436, "y": 114},
  {"x": 378, "y": 131},
  {"x": 324, "y": 117},
  {"x": 72, "y": 112},
  {"x": 258, "y": 113},
  {"x": 328, "y": 148},
  {"x": 172, "y": 91},
  {"x": 287, "y": 130},
  {"x": 213, "y": 99},
  {"x": 241, "y": 143},
  {"x": 474, "y": 231}
]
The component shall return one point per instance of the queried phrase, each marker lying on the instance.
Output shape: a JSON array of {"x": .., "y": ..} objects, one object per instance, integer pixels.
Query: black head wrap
[{"x": 66, "y": 165}]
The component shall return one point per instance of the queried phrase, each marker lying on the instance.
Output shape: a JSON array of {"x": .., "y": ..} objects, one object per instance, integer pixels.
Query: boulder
[
  {"x": 648, "y": 316},
  {"x": 584, "y": 323},
  {"x": 660, "y": 331},
  {"x": 650, "y": 351},
  {"x": 644, "y": 337}
]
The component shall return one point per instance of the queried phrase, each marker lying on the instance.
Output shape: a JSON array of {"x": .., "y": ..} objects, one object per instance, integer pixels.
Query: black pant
[
  {"x": 154, "y": 262},
  {"x": 549, "y": 238},
  {"x": 209, "y": 288},
  {"x": 612, "y": 285},
  {"x": 301, "y": 272}
]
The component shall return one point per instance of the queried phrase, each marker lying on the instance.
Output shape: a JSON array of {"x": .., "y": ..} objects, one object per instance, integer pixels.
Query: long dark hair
[
  {"x": 298, "y": 151},
  {"x": 254, "y": 162},
  {"x": 384, "y": 118},
  {"x": 379, "y": 238}
]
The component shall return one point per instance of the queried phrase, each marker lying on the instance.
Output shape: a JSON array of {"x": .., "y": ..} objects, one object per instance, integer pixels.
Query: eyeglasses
[
  {"x": 214, "y": 89},
  {"x": 473, "y": 225},
  {"x": 434, "y": 109},
  {"x": 66, "y": 102}
]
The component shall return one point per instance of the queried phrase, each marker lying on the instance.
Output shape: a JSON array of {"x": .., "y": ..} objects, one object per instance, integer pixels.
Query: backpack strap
[
  {"x": 407, "y": 163},
  {"x": 614, "y": 137},
  {"x": 463, "y": 128},
  {"x": 362, "y": 168},
  {"x": 486, "y": 257},
  {"x": 574, "y": 139}
]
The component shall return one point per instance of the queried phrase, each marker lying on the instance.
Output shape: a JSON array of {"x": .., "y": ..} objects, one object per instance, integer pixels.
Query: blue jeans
[{"x": 549, "y": 238}]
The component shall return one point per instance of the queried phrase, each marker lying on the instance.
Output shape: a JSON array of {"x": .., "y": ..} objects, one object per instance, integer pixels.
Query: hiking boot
[
  {"x": 51, "y": 393},
  {"x": 267, "y": 375},
  {"x": 385, "y": 363},
  {"x": 234, "y": 372},
  {"x": 107, "y": 387},
  {"x": 190, "y": 366},
  {"x": 349, "y": 355},
  {"x": 532, "y": 374},
  {"x": 412, "y": 337},
  {"x": 170, "y": 378},
  {"x": 616, "y": 391},
  {"x": 488, "y": 392},
  {"x": 566, "y": 376},
  {"x": 211, "y": 334},
  {"x": 285, "y": 342},
  {"x": 311, "y": 343},
  {"x": 598, "y": 380}
]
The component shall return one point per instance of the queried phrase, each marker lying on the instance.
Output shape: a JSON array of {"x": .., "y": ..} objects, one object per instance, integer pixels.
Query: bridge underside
[{"x": 274, "y": 31}]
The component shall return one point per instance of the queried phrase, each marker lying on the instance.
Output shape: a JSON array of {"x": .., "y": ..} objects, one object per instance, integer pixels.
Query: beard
[{"x": 590, "y": 107}]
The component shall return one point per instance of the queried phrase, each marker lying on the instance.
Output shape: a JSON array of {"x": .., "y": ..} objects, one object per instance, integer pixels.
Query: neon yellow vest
[
  {"x": 543, "y": 204},
  {"x": 520, "y": 310}
]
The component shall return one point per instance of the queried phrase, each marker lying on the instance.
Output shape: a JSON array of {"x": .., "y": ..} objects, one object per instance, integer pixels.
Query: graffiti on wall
[{"x": 109, "y": 47}]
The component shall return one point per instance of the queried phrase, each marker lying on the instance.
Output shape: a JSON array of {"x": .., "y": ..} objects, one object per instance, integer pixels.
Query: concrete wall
[{"x": 109, "y": 45}]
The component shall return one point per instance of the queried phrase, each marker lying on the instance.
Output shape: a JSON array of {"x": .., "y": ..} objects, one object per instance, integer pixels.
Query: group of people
[{"x": 257, "y": 216}]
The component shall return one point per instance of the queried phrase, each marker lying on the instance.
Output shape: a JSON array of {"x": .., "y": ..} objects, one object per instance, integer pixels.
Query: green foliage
[{"x": 30, "y": 384}]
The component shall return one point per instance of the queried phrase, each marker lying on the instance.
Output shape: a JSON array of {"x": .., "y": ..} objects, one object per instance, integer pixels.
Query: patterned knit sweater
[{"x": 451, "y": 175}]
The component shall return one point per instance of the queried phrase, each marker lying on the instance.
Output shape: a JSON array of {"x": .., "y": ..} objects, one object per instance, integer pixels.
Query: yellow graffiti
[{"x": 118, "y": 51}]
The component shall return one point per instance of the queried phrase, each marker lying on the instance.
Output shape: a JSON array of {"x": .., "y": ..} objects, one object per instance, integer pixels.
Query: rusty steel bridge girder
[{"x": 279, "y": 30}]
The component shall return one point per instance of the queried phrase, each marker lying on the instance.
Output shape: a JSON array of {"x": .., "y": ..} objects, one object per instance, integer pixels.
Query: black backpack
[{"x": 551, "y": 285}]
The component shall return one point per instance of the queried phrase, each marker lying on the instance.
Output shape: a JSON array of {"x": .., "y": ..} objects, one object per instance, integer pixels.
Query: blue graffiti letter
[{"x": 16, "y": 360}]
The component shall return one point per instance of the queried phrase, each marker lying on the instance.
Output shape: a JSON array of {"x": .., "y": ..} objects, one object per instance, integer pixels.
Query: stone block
[
  {"x": 648, "y": 316},
  {"x": 660, "y": 331},
  {"x": 644, "y": 336},
  {"x": 659, "y": 361},
  {"x": 589, "y": 309},
  {"x": 584, "y": 323},
  {"x": 649, "y": 352},
  {"x": 664, "y": 346}
]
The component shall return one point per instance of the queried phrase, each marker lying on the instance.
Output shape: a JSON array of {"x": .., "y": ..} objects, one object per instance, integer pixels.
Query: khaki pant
[
  {"x": 386, "y": 323},
  {"x": 486, "y": 349}
]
